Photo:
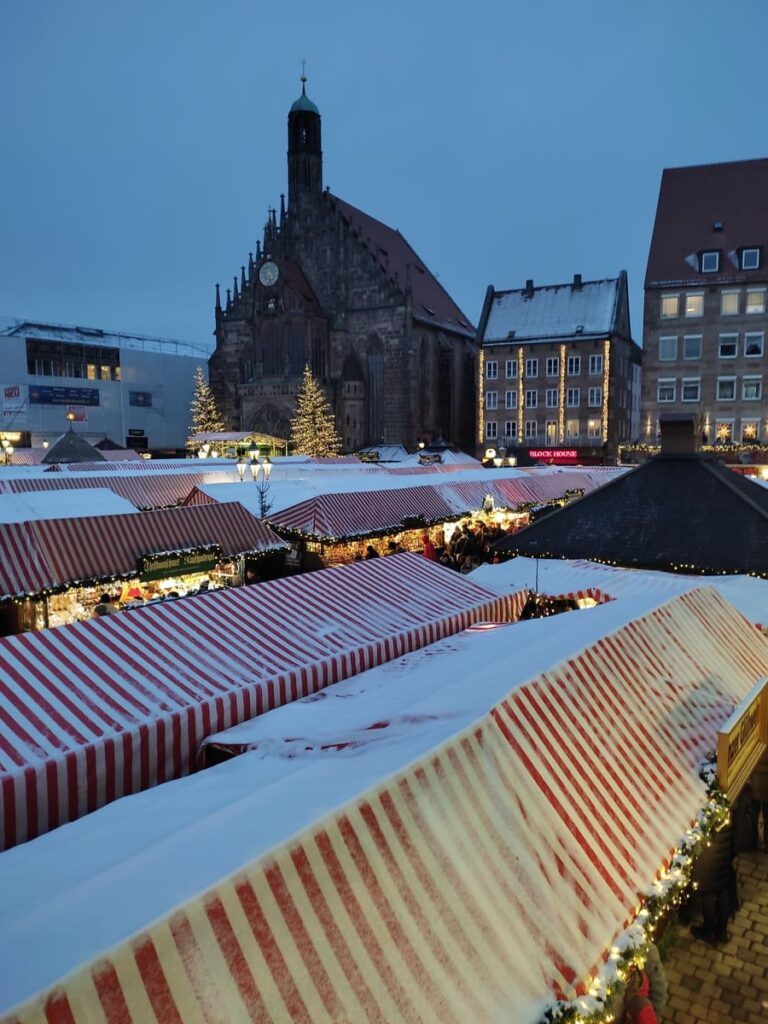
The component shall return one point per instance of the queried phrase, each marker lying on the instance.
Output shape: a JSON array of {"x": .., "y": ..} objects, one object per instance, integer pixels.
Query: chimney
[
  {"x": 577, "y": 282},
  {"x": 681, "y": 433},
  {"x": 528, "y": 288}
]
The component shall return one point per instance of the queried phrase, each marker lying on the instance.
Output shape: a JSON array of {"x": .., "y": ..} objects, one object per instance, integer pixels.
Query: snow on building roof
[
  {"x": 13, "y": 328},
  {"x": 60, "y": 504},
  {"x": 553, "y": 311},
  {"x": 99, "y": 709},
  {"x": 459, "y": 835}
]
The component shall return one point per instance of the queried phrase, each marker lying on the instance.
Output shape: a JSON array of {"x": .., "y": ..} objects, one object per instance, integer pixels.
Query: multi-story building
[
  {"x": 135, "y": 390},
  {"x": 705, "y": 302},
  {"x": 559, "y": 368}
]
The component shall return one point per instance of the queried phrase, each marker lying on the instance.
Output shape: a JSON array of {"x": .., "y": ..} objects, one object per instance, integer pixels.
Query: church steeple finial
[
  {"x": 303, "y": 77},
  {"x": 218, "y": 298}
]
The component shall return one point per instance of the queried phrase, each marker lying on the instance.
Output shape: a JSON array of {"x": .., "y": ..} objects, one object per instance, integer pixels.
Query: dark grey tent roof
[
  {"x": 681, "y": 512},
  {"x": 72, "y": 447}
]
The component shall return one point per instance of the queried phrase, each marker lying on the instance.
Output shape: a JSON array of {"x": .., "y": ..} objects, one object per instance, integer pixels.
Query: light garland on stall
[
  {"x": 630, "y": 949},
  {"x": 510, "y": 551},
  {"x": 61, "y": 588}
]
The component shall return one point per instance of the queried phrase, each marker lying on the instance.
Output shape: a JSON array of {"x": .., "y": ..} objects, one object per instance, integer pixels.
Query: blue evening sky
[{"x": 142, "y": 142}]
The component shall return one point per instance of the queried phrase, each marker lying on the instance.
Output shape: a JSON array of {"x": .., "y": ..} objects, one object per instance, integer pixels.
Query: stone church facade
[{"x": 332, "y": 287}]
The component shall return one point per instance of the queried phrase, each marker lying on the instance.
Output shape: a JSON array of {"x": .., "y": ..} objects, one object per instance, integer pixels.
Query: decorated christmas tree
[
  {"x": 313, "y": 431},
  {"x": 205, "y": 415}
]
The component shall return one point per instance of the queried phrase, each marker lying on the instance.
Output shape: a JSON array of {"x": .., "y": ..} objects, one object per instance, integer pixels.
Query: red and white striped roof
[
  {"x": 474, "y": 880},
  {"x": 50, "y": 553},
  {"x": 362, "y": 512},
  {"x": 144, "y": 490},
  {"x": 96, "y": 710}
]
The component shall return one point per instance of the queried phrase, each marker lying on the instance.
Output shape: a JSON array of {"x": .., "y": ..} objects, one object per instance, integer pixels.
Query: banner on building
[
  {"x": 15, "y": 402},
  {"x": 63, "y": 396}
]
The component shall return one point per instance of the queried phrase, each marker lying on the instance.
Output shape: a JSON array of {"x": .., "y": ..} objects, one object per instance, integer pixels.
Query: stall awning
[
  {"x": 143, "y": 490},
  {"x": 96, "y": 710},
  {"x": 53, "y": 553},
  {"x": 470, "y": 878}
]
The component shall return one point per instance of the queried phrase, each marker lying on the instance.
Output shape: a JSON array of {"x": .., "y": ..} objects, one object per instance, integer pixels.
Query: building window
[
  {"x": 510, "y": 429},
  {"x": 750, "y": 259},
  {"x": 551, "y": 432},
  {"x": 750, "y": 431},
  {"x": 530, "y": 429},
  {"x": 755, "y": 300},
  {"x": 595, "y": 397},
  {"x": 574, "y": 366},
  {"x": 491, "y": 430},
  {"x": 491, "y": 370},
  {"x": 668, "y": 349},
  {"x": 710, "y": 262},
  {"x": 692, "y": 346},
  {"x": 595, "y": 365},
  {"x": 665, "y": 389},
  {"x": 571, "y": 428},
  {"x": 510, "y": 369},
  {"x": 694, "y": 304},
  {"x": 691, "y": 389},
  {"x": 594, "y": 428},
  {"x": 572, "y": 397},
  {"x": 670, "y": 307},
  {"x": 724, "y": 431},
  {"x": 491, "y": 400},
  {"x": 752, "y": 389},
  {"x": 531, "y": 399},
  {"x": 510, "y": 399},
  {"x": 726, "y": 389},
  {"x": 551, "y": 398},
  {"x": 753, "y": 345},
  {"x": 90, "y": 371},
  {"x": 729, "y": 346},
  {"x": 729, "y": 303},
  {"x": 553, "y": 367},
  {"x": 531, "y": 367}
]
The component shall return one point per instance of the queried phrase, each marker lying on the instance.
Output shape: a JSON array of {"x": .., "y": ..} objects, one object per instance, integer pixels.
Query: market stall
[
  {"x": 127, "y": 699},
  {"x": 497, "y": 846},
  {"x": 55, "y": 571}
]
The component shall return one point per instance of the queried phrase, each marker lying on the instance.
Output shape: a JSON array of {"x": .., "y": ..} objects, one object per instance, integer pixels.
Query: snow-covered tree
[
  {"x": 313, "y": 430},
  {"x": 203, "y": 410}
]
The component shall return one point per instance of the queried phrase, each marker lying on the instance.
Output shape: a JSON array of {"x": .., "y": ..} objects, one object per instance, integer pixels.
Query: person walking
[{"x": 759, "y": 781}]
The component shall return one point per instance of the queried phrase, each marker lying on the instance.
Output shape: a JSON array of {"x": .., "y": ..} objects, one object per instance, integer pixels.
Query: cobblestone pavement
[{"x": 727, "y": 984}]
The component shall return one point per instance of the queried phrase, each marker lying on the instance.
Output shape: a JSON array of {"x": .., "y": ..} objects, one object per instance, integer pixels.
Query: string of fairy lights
[{"x": 668, "y": 891}]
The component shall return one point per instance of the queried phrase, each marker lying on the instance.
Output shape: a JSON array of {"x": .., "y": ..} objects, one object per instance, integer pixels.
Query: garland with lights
[
  {"x": 117, "y": 577},
  {"x": 630, "y": 949},
  {"x": 714, "y": 449},
  {"x": 511, "y": 551}
]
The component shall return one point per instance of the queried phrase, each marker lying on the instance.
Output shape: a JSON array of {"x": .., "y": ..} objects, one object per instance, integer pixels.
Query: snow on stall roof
[
  {"x": 70, "y": 895},
  {"x": 555, "y": 577},
  {"x": 63, "y": 504},
  {"x": 553, "y": 311}
]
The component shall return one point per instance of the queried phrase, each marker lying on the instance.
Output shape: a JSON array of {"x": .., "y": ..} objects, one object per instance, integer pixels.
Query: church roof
[
  {"x": 431, "y": 302},
  {"x": 553, "y": 311},
  {"x": 304, "y": 102}
]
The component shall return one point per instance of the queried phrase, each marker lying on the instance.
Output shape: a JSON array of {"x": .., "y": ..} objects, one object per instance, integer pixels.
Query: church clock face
[{"x": 268, "y": 273}]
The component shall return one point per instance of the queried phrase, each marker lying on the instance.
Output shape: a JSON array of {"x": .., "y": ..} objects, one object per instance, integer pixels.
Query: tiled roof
[
  {"x": 691, "y": 512},
  {"x": 692, "y": 201},
  {"x": 553, "y": 311},
  {"x": 431, "y": 302}
]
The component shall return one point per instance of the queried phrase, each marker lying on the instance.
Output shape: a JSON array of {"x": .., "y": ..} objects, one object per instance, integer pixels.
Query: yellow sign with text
[{"x": 742, "y": 740}]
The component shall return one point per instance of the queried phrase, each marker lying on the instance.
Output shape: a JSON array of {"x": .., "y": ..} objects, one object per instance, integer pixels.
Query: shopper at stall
[
  {"x": 429, "y": 548},
  {"x": 105, "y": 606},
  {"x": 759, "y": 786},
  {"x": 638, "y": 1008},
  {"x": 370, "y": 552}
]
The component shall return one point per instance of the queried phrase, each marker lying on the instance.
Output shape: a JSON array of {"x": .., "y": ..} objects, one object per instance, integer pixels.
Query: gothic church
[{"x": 333, "y": 287}]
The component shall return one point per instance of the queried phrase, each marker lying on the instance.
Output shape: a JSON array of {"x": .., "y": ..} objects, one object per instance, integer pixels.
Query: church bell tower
[{"x": 305, "y": 155}]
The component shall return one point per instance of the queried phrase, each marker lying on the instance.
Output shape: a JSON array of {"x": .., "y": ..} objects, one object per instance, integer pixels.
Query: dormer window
[
  {"x": 710, "y": 262},
  {"x": 750, "y": 258}
]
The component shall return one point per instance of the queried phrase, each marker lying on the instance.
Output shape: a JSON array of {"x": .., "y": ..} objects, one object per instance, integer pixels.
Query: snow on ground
[
  {"x": 62, "y": 504},
  {"x": 555, "y": 576},
  {"x": 70, "y": 895}
]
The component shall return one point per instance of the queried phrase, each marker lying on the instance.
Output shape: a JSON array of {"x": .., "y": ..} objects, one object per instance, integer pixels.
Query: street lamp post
[{"x": 260, "y": 472}]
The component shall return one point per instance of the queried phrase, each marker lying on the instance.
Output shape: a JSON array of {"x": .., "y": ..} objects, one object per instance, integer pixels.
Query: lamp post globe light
[{"x": 241, "y": 464}]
